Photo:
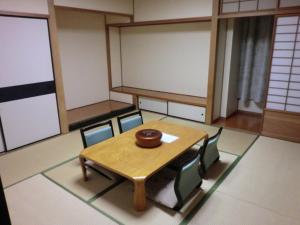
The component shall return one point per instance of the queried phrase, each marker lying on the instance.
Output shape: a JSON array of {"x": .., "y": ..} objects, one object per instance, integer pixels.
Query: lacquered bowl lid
[{"x": 148, "y": 138}]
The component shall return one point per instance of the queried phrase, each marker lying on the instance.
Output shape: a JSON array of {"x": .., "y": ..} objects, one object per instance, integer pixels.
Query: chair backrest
[
  {"x": 130, "y": 121},
  {"x": 187, "y": 179},
  {"x": 96, "y": 133},
  {"x": 209, "y": 151}
]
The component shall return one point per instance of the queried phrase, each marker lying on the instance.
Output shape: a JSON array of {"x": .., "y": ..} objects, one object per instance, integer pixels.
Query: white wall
[
  {"x": 229, "y": 92},
  {"x": 171, "y": 58},
  {"x": 83, "y": 56},
  {"x": 220, "y": 68},
  {"x": 115, "y": 56},
  {"x": 25, "y": 6},
  {"x": 116, "y": 6},
  {"x": 145, "y": 10}
]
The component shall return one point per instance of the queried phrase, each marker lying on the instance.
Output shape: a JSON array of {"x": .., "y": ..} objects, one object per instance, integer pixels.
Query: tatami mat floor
[{"x": 259, "y": 187}]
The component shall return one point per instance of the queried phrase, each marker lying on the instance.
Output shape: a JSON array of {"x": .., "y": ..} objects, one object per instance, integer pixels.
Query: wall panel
[
  {"x": 117, "y": 6},
  {"x": 82, "y": 43},
  {"x": 145, "y": 10},
  {"x": 170, "y": 58}
]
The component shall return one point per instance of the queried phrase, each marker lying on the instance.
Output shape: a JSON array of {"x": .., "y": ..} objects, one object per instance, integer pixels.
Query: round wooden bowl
[{"x": 148, "y": 138}]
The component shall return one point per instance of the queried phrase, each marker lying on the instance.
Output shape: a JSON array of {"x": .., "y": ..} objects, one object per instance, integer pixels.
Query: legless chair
[
  {"x": 172, "y": 188},
  {"x": 94, "y": 134},
  {"x": 129, "y": 121},
  {"x": 209, "y": 154}
]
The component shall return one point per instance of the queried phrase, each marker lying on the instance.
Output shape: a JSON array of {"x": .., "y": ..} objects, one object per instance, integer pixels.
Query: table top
[{"x": 121, "y": 155}]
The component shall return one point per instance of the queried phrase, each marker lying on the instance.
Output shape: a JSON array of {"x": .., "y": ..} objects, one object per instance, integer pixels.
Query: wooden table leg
[
  {"x": 82, "y": 163},
  {"x": 139, "y": 195}
]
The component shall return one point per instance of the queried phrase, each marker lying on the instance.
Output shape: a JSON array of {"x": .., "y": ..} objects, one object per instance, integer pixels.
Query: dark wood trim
[
  {"x": 108, "y": 55},
  {"x": 179, "y": 98},
  {"x": 162, "y": 22},
  {"x": 283, "y": 112},
  {"x": 121, "y": 59},
  {"x": 135, "y": 101},
  {"x": 23, "y": 14},
  {"x": 57, "y": 68},
  {"x": 92, "y": 11},
  {"x": 133, "y": 11},
  {"x": 212, "y": 63},
  {"x": 249, "y": 113},
  {"x": 283, "y": 125}
]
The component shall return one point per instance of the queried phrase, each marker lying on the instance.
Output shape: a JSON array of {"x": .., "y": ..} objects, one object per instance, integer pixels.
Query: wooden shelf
[
  {"x": 95, "y": 110},
  {"x": 185, "y": 99},
  {"x": 161, "y": 22}
]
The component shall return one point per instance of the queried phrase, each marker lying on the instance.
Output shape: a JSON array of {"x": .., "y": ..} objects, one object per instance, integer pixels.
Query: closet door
[
  {"x": 28, "y": 120},
  {"x": 284, "y": 84},
  {"x": 28, "y": 106}
]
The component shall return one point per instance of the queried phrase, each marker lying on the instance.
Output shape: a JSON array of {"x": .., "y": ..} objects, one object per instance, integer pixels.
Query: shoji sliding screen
[
  {"x": 28, "y": 106},
  {"x": 284, "y": 85}
]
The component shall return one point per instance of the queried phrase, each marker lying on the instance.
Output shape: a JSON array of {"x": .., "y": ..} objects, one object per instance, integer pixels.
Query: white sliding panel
[
  {"x": 187, "y": 111},
  {"x": 121, "y": 97},
  {"x": 284, "y": 84},
  {"x": 28, "y": 106},
  {"x": 25, "y": 55},
  {"x": 28, "y": 120},
  {"x": 289, "y": 3},
  {"x": 153, "y": 105}
]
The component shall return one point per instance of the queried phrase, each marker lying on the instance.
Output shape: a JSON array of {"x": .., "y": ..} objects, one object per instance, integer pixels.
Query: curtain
[{"x": 256, "y": 35}]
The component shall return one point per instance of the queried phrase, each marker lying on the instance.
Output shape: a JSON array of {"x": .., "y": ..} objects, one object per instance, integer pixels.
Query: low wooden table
[{"x": 121, "y": 155}]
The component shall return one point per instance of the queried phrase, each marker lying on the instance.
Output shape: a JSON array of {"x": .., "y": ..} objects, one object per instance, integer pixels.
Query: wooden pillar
[
  {"x": 212, "y": 62},
  {"x": 57, "y": 69}
]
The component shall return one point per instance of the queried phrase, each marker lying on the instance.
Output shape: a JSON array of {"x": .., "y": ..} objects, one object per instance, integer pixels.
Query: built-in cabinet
[
  {"x": 28, "y": 105},
  {"x": 186, "y": 111}
]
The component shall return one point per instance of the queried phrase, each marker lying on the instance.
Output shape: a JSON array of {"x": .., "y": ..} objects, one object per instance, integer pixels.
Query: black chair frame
[
  {"x": 82, "y": 130},
  {"x": 119, "y": 118},
  {"x": 203, "y": 149}
]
